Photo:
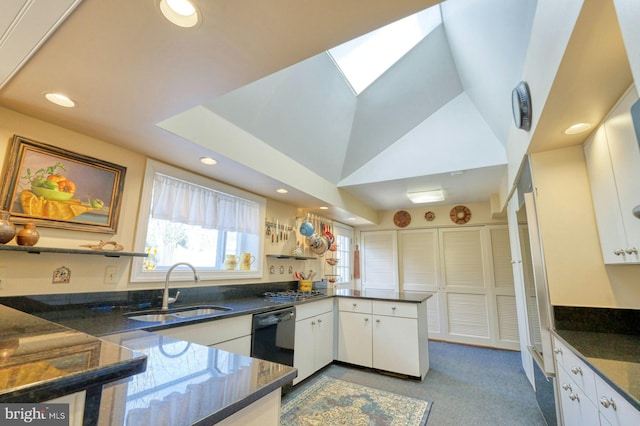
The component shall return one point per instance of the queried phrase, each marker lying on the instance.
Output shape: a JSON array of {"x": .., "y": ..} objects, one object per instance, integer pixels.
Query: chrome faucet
[{"x": 165, "y": 294}]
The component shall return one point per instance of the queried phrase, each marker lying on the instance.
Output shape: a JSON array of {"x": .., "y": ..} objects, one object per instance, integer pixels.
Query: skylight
[{"x": 364, "y": 59}]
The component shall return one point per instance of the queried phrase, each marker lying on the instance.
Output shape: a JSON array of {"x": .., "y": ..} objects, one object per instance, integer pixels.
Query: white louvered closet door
[
  {"x": 464, "y": 291},
  {"x": 505, "y": 321},
  {"x": 379, "y": 260},
  {"x": 418, "y": 263}
]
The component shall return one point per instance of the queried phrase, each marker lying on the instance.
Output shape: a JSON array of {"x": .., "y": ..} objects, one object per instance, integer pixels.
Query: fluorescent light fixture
[
  {"x": 281, "y": 191},
  {"x": 577, "y": 128},
  {"x": 426, "y": 196},
  {"x": 180, "y": 12},
  {"x": 208, "y": 160},
  {"x": 60, "y": 99}
]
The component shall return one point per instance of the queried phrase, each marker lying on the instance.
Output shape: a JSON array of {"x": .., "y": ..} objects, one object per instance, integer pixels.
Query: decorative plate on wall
[
  {"x": 460, "y": 215},
  {"x": 429, "y": 216},
  {"x": 402, "y": 218}
]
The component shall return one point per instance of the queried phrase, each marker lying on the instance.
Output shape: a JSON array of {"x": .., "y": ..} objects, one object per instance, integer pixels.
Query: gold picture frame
[{"x": 57, "y": 188}]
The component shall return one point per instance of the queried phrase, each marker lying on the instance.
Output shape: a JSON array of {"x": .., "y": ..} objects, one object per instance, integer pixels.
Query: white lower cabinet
[
  {"x": 229, "y": 334},
  {"x": 390, "y": 336},
  {"x": 313, "y": 347},
  {"x": 585, "y": 398}
]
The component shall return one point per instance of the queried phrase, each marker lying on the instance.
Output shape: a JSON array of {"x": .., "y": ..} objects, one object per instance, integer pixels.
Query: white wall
[
  {"x": 576, "y": 272},
  {"x": 32, "y": 273}
]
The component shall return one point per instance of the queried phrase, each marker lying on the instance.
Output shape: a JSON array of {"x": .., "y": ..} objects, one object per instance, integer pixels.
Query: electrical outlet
[
  {"x": 3, "y": 276},
  {"x": 111, "y": 274}
]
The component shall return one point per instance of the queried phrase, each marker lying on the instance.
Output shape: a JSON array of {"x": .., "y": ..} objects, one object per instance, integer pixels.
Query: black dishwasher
[{"x": 273, "y": 336}]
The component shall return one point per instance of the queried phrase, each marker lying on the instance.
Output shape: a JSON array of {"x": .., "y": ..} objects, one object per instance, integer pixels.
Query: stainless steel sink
[{"x": 177, "y": 314}]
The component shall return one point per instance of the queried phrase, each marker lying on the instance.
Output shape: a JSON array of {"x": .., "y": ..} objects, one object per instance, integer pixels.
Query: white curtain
[{"x": 184, "y": 202}]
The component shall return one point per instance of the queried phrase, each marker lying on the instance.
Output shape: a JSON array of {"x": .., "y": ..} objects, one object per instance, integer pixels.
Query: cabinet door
[
  {"x": 463, "y": 301},
  {"x": 625, "y": 157},
  {"x": 419, "y": 270},
  {"x": 324, "y": 340},
  {"x": 379, "y": 260},
  {"x": 304, "y": 352},
  {"x": 577, "y": 409},
  {"x": 396, "y": 345},
  {"x": 355, "y": 338},
  {"x": 605, "y": 198}
]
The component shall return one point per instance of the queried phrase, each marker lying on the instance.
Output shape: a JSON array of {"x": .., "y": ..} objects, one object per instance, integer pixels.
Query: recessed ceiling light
[
  {"x": 351, "y": 218},
  {"x": 426, "y": 196},
  {"x": 208, "y": 160},
  {"x": 60, "y": 99},
  {"x": 180, "y": 12},
  {"x": 281, "y": 191},
  {"x": 324, "y": 208},
  {"x": 577, "y": 128}
]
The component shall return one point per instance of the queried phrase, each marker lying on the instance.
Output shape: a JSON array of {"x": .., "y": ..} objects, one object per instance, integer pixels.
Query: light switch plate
[
  {"x": 3, "y": 276},
  {"x": 111, "y": 274}
]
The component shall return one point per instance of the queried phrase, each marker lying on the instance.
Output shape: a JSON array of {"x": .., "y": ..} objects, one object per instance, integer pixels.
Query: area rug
[{"x": 332, "y": 401}]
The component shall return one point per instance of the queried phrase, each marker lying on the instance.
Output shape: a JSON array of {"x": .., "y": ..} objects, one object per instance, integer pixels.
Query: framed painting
[{"x": 57, "y": 188}]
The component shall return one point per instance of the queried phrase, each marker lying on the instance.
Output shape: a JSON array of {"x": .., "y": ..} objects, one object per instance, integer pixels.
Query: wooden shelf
[
  {"x": 38, "y": 250},
  {"x": 290, "y": 256}
]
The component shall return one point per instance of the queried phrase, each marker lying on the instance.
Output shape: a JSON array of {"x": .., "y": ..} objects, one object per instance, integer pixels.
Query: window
[
  {"x": 188, "y": 218},
  {"x": 344, "y": 236}
]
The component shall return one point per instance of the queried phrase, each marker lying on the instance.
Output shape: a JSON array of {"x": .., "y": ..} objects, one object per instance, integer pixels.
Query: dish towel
[{"x": 356, "y": 263}]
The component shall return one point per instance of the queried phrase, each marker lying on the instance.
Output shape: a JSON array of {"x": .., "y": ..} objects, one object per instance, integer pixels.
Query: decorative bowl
[{"x": 50, "y": 194}]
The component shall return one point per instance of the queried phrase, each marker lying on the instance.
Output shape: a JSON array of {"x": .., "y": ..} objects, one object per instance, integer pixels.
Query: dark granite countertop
[
  {"x": 392, "y": 295},
  {"x": 614, "y": 357},
  {"x": 189, "y": 383},
  {"x": 41, "y": 360}
]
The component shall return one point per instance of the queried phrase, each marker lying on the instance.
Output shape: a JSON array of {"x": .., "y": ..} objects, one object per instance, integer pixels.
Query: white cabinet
[
  {"x": 614, "y": 410},
  {"x": 355, "y": 335},
  {"x": 384, "y": 335},
  {"x": 229, "y": 334},
  {"x": 313, "y": 347},
  {"x": 613, "y": 163},
  {"x": 585, "y": 398}
]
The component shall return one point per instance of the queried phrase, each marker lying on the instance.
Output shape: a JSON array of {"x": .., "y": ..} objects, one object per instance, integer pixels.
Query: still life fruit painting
[{"x": 60, "y": 188}]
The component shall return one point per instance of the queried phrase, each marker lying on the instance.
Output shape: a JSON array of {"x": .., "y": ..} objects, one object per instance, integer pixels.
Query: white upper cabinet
[{"x": 613, "y": 163}]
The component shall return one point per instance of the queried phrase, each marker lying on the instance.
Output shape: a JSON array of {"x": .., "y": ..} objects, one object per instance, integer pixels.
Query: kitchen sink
[{"x": 176, "y": 314}]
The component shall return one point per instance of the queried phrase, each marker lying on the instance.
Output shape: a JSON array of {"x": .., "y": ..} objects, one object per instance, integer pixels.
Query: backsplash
[{"x": 599, "y": 320}]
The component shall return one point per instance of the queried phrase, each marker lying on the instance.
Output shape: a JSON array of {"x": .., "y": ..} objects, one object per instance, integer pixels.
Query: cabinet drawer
[
  {"x": 211, "y": 332},
  {"x": 308, "y": 310},
  {"x": 395, "y": 309},
  {"x": 579, "y": 372},
  {"x": 348, "y": 304},
  {"x": 577, "y": 409},
  {"x": 615, "y": 409}
]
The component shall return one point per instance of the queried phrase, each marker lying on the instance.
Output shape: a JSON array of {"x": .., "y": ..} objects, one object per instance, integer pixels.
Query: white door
[
  {"x": 418, "y": 261},
  {"x": 505, "y": 321},
  {"x": 464, "y": 303},
  {"x": 379, "y": 260}
]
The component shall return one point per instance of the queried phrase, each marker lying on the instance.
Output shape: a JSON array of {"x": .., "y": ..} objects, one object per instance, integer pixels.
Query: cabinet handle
[
  {"x": 567, "y": 387},
  {"x": 606, "y": 403},
  {"x": 574, "y": 397},
  {"x": 366, "y": 319},
  {"x": 378, "y": 320},
  {"x": 576, "y": 370},
  {"x": 319, "y": 321},
  {"x": 393, "y": 308},
  {"x": 632, "y": 250},
  {"x": 619, "y": 252},
  {"x": 313, "y": 323},
  {"x": 557, "y": 351},
  {"x": 355, "y": 305}
]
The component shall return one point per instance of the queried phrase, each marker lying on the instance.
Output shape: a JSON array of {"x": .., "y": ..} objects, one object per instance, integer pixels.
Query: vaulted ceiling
[{"x": 252, "y": 86}]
